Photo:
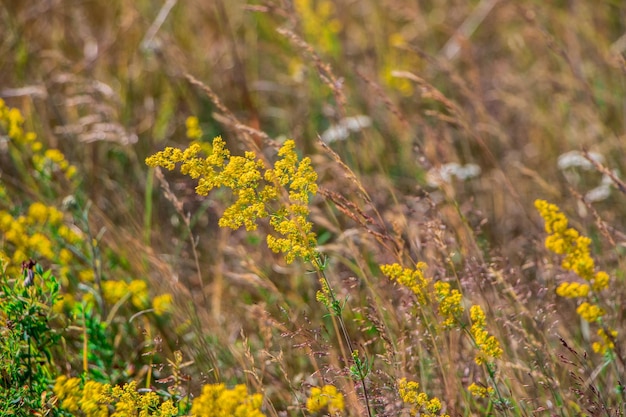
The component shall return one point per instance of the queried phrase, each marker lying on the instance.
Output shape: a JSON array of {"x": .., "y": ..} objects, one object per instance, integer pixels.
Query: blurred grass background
[{"x": 507, "y": 86}]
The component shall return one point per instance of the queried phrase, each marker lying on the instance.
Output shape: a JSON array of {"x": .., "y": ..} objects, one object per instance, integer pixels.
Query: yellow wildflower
[
  {"x": 572, "y": 290},
  {"x": 218, "y": 401},
  {"x": 256, "y": 191},
  {"x": 567, "y": 241},
  {"x": 607, "y": 343},
  {"x": 69, "y": 392},
  {"x": 193, "y": 128},
  {"x": 488, "y": 345},
  {"x": 450, "y": 306},
  {"x": 139, "y": 293},
  {"x": 325, "y": 398},
  {"x": 410, "y": 394},
  {"x": 162, "y": 304},
  {"x": 590, "y": 312},
  {"x": 114, "y": 291},
  {"x": 480, "y": 391},
  {"x": 413, "y": 279},
  {"x": 90, "y": 402}
]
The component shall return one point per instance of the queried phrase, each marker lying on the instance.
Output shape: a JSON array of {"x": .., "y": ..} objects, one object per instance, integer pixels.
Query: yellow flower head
[
  {"x": 326, "y": 397},
  {"x": 488, "y": 345},
  {"x": 281, "y": 193}
]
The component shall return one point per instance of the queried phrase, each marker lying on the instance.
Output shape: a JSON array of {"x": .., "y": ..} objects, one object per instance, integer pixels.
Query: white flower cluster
[
  {"x": 436, "y": 177},
  {"x": 342, "y": 130},
  {"x": 569, "y": 161}
]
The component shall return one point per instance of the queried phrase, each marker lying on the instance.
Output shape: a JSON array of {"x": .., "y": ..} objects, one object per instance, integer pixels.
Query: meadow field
[{"x": 312, "y": 207}]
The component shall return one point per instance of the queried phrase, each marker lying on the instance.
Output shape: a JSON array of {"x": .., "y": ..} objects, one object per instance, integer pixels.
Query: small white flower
[
  {"x": 576, "y": 159},
  {"x": 436, "y": 177},
  {"x": 342, "y": 130}
]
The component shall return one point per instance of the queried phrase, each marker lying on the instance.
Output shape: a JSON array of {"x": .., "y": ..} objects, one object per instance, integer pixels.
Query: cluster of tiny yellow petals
[
  {"x": 114, "y": 291},
  {"x": 480, "y": 391},
  {"x": 69, "y": 392},
  {"x": 567, "y": 241},
  {"x": 162, "y": 304},
  {"x": 488, "y": 345},
  {"x": 413, "y": 279},
  {"x": 257, "y": 191},
  {"x": 90, "y": 403},
  {"x": 572, "y": 290},
  {"x": 607, "y": 343},
  {"x": 325, "y": 398},
  {"x": 92, "y": 399},
  {"x": 450, "y": 303},
  {"x": 129, "y": 402},
  {"x": 193, "y": 128},
  {"x": 590, "y": 312},
  {"x": 39, "y": 233},
  {"x": 420, "y": 403},
  {"x": 298, "y": 240},
  {"x": 11, "y": 121},
  {"x": 218, "y": 401},
  {"x": 577, "y": 258}
]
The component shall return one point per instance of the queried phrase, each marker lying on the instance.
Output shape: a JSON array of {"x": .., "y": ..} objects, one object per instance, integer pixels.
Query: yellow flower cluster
[
  {"x": 218, "y": 401},
  {"x": 137, "y": 290},
  {"x": 258, "y": 191},
  {"x": 450, "y": 306},
  {"x": 413, "y": 279},
  {"x": 193, "y": 128},
  {"x": 30, "y": 235},
  {"x": 421, "y": 405},
  {"x": 75, "y": 398},
  {"x": 162, "y": 304},
  {"x": 608, "y": 341},
  {"x": 325, "y": 398},
  {"x": 480, "y": 391},
  {"x": 129, "y": 402},
  {"x": 564, "y": 240},
  {"x": 488, "y": 346},
  {"x": 11, "y": 121},
  {"x": 590, "y": 312},
  {"x": 44, "y": 161},
  {"x": 92, "y": 399}
]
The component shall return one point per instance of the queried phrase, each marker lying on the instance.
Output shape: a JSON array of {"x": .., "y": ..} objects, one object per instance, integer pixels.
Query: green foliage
[{"x": 29, "y": 339}]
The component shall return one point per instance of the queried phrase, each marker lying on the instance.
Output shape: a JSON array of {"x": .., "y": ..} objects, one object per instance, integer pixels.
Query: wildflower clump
[
  {"x": 420, "y": 403},
  {"x": 488, "y": 345},
  {"x": 129, "y": 402},
  {"x": 38, "y": 233},
  {"x": 325, "y": 398},
  {"x": 45, "y": 161},
  {"x": 76, "y": 396},
  {"x": 218, "y": 401},
  {"x": 450, "y": 306},
  {"x": 281, "y": 193},
  {"x": 413, "y": 279},
  {"x": 92, "y": 399},
  {"x": 480, "y": 391},
  {"x": 564, "y": 240}
]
